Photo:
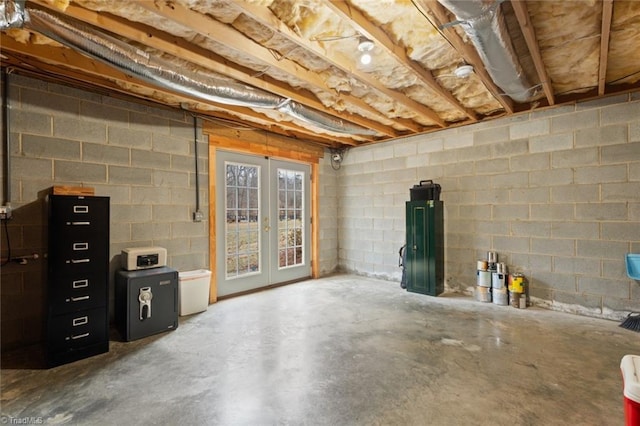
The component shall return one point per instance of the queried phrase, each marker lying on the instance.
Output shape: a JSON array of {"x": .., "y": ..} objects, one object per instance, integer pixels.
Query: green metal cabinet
[{"x": 425, "y": 247}]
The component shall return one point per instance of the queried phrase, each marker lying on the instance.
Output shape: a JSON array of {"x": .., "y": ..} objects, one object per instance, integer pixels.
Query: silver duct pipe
[
  {"x": 486, "y": 28},
  {"x": 12, "y": 14},
  {"x": 116, "y": 53}
]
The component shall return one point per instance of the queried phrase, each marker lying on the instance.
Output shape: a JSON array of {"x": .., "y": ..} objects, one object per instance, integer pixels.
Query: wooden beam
[
  {"x": 178, "y": 47},
  {"x": 376, "y": 34},
  {"x": 439, "y": 17},
  {"x": 607, "y": 12},
  {"x": 213, "y": 285},
  {"x": 522, "y": 15}
]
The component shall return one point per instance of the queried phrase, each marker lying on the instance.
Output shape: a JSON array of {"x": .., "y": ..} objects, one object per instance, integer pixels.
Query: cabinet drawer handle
[
  {"x": 80, "y": 246},
  {"x": 81, "y": 209},
  {"x": 80, "y": 261},
  {"x": 79, "y": 336},
  {"x": 79, "y": 299},
  {"x": 80, "y": 284},
  {"x": 78, "y": 223},
  {"x": 80, "y": 321}
]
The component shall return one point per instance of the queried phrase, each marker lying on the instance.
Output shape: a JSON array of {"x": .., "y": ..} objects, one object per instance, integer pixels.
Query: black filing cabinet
[
  {"x": 78, "y": 278},
  {"x": 146, "y": 302}
]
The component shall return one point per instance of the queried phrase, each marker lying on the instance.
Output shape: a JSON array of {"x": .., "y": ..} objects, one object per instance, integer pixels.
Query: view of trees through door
[{"x": 265, "y": 235}]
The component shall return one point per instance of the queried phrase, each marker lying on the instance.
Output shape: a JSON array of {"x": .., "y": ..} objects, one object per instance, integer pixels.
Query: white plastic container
[{"x": 193, "y": 287}]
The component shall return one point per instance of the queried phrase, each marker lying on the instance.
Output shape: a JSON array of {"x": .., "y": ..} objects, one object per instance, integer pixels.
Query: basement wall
[
  {"x": 555, "y": 192},
  {"x": 140, "y": 156}
]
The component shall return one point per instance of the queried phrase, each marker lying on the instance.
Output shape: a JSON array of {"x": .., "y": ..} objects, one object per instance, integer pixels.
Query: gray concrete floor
[{"x": 343, "y": 350}]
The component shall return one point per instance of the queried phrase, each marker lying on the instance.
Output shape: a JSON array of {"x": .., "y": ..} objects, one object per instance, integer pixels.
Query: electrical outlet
[
  {"x": 198, "y": 216},
  {"x": 5, "y": 212}
]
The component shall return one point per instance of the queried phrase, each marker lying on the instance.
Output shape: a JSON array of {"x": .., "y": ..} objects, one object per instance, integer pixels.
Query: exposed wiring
[
  {"x": 334, "y": 38},
  {"x": 622, "y": 78}
]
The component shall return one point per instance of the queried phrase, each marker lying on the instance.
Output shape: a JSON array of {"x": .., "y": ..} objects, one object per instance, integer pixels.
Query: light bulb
[{"x": 365, "y": 59}]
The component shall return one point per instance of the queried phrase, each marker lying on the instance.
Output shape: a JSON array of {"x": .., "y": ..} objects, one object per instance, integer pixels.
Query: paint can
[
  {"x": 483, "y": 265},
  {"x": 501, "y": 268},
  {"x": 516, "y": 283},
  {"x": 492, "y": 256},
  {"x": 483, "y": 294},
  {"x": 484, "y": 279},
  {"x": 514, "y": 299},
  {"x": 498, "y": 280},
  {"x": 500, "y": 297}
]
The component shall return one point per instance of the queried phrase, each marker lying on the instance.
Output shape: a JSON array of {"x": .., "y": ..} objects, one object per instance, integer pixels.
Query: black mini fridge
[{"x": 146, "y": 302}]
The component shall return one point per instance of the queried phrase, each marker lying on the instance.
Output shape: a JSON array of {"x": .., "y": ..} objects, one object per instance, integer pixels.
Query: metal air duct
[
  {"x": 116, "y": 53},
  {"x": 485, "y": 26}
]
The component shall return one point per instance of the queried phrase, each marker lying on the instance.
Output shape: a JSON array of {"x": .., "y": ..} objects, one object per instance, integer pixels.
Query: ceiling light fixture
[
  {"x": 365, "y": 46},
  {"x": 463, "y": 71}
]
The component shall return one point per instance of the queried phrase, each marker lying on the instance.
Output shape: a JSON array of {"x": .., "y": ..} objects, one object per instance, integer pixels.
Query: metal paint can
[
  {"x": 500, "y": 297},
  {"x": 516, "y": 283},
  {"x": 492, "y": 256},
  {"x": 498, "y": 280},
  {"x": 483, "y": 294},
  {"x": 514, "y": 299},
  {"x": 493, "y": 267},
  {"x": 501, "y": 268},
  {"x": 482, "y": 265},
  {"x": 523, "y": 301},
  {"x": 484, "y": 279}
]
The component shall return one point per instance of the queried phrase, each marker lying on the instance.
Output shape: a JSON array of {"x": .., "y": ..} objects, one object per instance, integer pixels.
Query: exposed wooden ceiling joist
[
  {"x": 439, "y": 16},
  {"x": 377, "y": 35},
  {"x": 522, "y": 14},
  {"x": 607, "y": 13}
]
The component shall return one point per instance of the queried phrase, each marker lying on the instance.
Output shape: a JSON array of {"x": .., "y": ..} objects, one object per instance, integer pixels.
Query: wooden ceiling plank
[
  {"x": 376, "y": 34},
  {"x": 607, "y": 13},
  {"x": 180, "y": 48},
  {"x": 522, "y": 15},
  {"x": 99, "y": 73},
  {"x": 438, "y": 14},
  {"x": 266, "y": 17}
]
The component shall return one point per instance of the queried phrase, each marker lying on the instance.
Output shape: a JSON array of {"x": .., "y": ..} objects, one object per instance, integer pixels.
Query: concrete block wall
[
  {"x": 555, "y": 192},
  {"x": 328, "y": 220},
  {"x": 142, "y": 157}
]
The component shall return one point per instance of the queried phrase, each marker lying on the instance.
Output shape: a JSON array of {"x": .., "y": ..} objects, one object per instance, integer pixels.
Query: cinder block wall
[
  {"x": 140, "y": 156},
  {"x": 328, "y": 199},
  {"x": 555, "y": 192}
]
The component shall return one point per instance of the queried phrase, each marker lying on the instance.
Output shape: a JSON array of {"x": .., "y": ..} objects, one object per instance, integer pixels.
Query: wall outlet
[
  {"x": 198, "y": 216},
  {"x": 5, "y": 212}
]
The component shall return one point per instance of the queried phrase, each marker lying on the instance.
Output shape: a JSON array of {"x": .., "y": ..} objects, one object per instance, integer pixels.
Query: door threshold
[{"x": 268, "y": 287}]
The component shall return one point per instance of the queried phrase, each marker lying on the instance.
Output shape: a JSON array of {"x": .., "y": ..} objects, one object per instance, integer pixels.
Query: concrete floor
[{"x": 344, "y": 350}]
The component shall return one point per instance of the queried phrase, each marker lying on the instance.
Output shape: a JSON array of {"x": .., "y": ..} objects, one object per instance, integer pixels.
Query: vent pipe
[{"x": 485, "y": 26}]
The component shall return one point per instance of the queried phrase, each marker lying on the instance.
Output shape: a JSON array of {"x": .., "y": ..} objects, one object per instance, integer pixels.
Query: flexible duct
[
  {"x": 103, "y": 47},
  {"x": 485, "y": 26},
  {"x": 12, "y": 14}
]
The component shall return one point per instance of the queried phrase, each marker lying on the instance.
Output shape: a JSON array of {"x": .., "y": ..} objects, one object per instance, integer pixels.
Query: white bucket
[
  {"x": 500, "y": 297},
  {"x": 498, "y": 281},
  {"x": 194, "y": 291},
  {"x": 483, "y": 294}
]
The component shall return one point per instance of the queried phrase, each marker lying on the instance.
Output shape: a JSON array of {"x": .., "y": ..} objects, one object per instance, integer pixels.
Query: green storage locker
[{"x": 425, "y": 247}]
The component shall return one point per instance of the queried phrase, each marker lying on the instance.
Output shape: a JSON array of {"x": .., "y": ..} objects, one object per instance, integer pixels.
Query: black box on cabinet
[
  {"x": 146, "y": 302},
  {"x": 77, "y": 278}
]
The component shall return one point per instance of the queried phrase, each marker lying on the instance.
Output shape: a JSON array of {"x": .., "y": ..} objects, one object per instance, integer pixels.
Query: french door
[{"x": 263, "y": 227}]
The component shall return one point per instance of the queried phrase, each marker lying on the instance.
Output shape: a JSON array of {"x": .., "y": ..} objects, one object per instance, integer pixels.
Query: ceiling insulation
[{"x": 307, "y": 51}]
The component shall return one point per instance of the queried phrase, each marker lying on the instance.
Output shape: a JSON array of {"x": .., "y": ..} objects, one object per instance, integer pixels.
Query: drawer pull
[
  {"x": 80, "y": 283},
  {"x": 80, "y": 246},
  {"x": 74, "y": 261},
  {"x": 78, "y": 223},
  {"x": 81, "y": 209},
  {"x": 79, "y": 299},
  {"x": 80, "y": 321},
  {"x": 79, "y": 336}
]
